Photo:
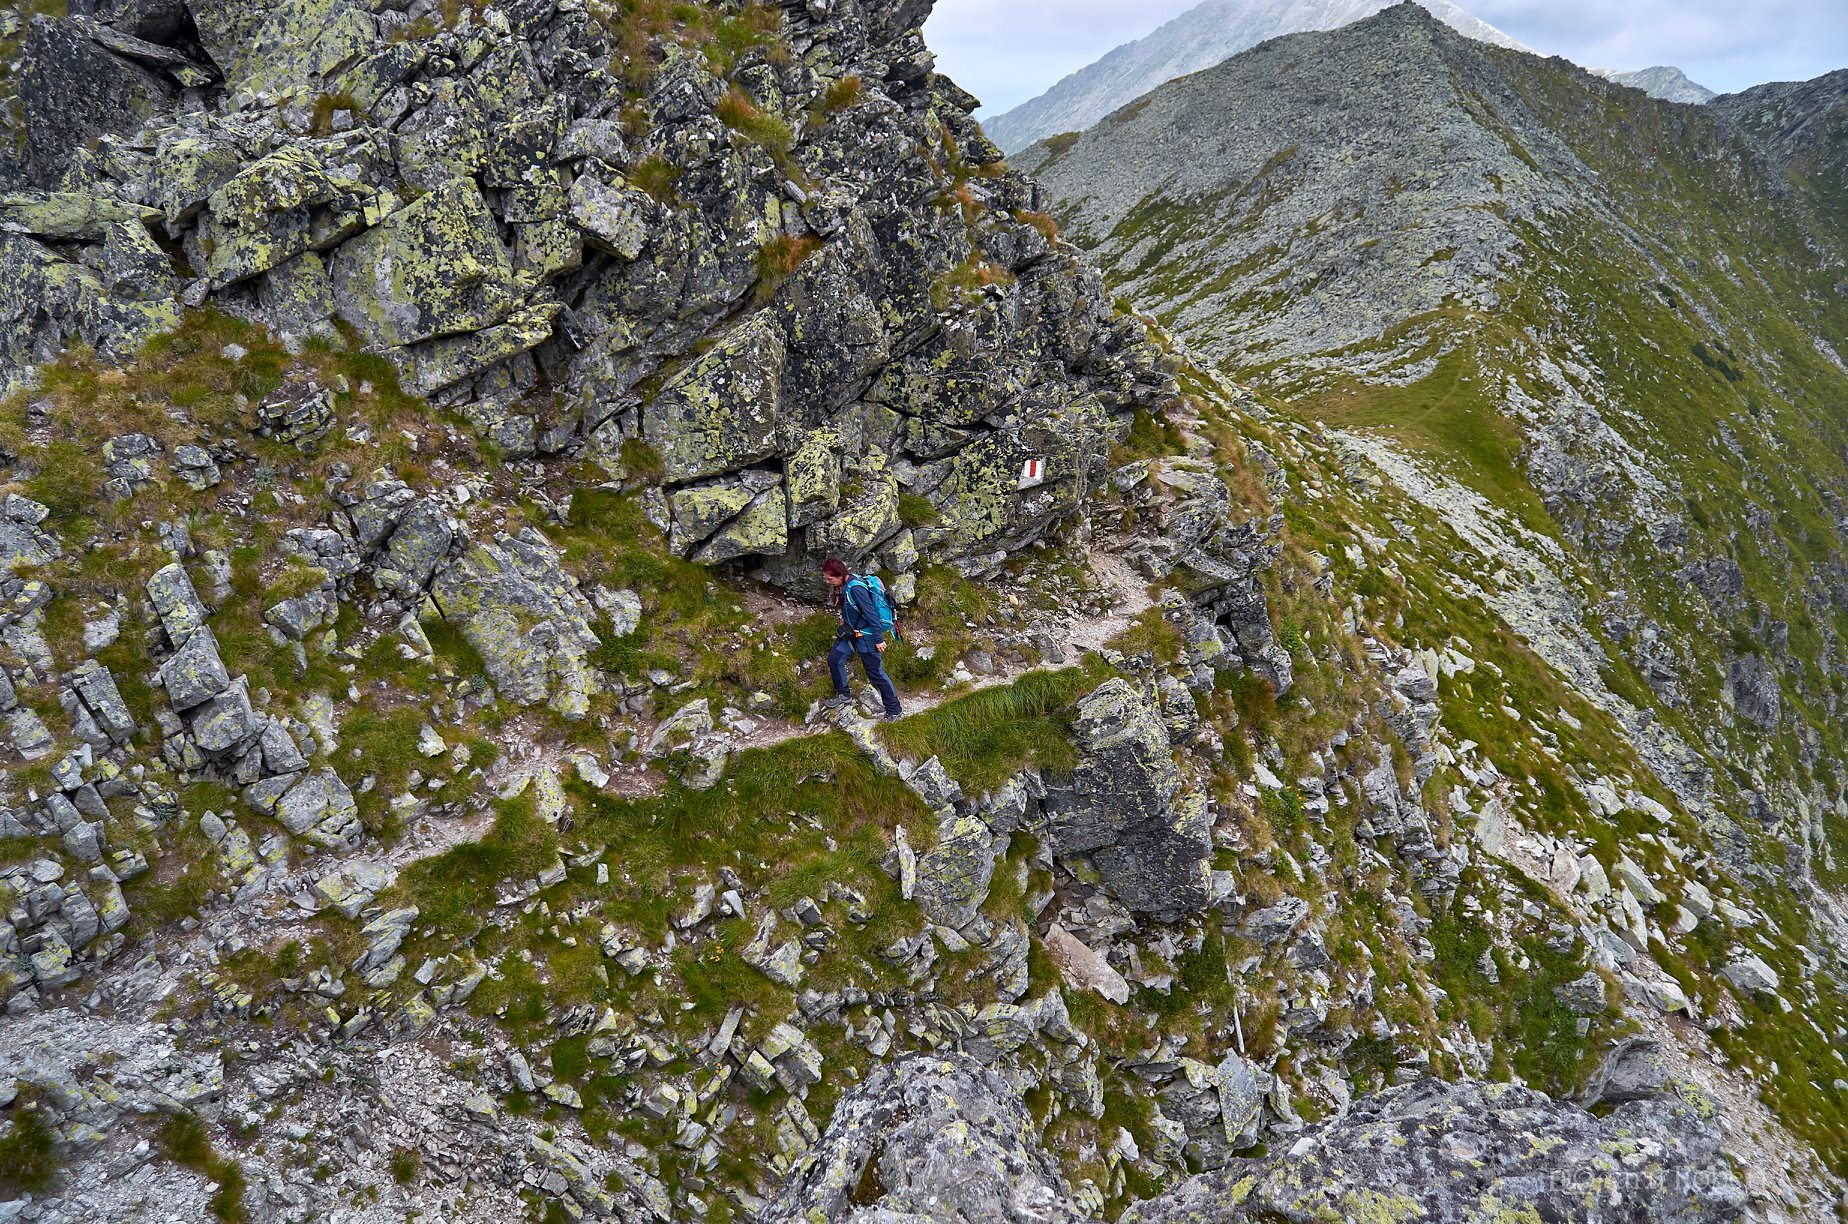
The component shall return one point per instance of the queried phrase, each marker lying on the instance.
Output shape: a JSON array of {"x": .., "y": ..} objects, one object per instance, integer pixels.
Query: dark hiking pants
[{"x": 874, "y": 666}]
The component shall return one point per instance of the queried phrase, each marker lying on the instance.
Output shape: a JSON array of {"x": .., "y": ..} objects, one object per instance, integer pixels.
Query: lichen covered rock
[
  {"x": 526, "y": 617},
  {"x": 1123, "y": 805},
  {"x": 930, "y": 1138},
  {"x": 435, "y": 267},
  {"x": 1475, "y": 1154}
]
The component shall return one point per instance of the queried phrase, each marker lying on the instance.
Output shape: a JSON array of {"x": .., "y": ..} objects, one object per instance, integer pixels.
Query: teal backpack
[{"x": 882, "y": 603}]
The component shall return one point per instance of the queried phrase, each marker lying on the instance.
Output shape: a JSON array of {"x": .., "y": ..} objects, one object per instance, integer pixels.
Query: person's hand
[{"x": 882, "y": 647}]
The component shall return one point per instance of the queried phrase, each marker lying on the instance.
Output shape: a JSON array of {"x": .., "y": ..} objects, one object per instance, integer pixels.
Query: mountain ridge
[
  {"x": 1392, "y": 783},
  {"x": 1662, "y": 81},
  {"x": 1516, "y": 291},
  {"x": 1198, "y": 39}
]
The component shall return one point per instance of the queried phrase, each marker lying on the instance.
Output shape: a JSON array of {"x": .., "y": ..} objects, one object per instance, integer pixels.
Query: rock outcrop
[
  {"x": 474, "y": 216},
  {"x": 943, "y": 1140},
  {"x": 1125, "y": 806},
  {"x": 927, "y": 1138}
]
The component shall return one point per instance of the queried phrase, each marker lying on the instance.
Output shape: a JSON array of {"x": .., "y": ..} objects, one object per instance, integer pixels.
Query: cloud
[
  {"x": 1724, "y": 44},
  {"x": 1006, "y": 51}
]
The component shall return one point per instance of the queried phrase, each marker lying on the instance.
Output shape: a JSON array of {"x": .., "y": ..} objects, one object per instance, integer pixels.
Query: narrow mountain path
[
  {"x": 1081, "y": 634},
  {"x": 1077, "y": 634}
]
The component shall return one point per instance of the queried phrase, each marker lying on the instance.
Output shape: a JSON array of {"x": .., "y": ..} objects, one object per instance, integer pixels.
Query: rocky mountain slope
[
  {"x": 1667, "y": 83},
  {"x": 1208, "y": 34},
  {"x": 423, "y": 424},
  {"x": 1598, "y": 335}
]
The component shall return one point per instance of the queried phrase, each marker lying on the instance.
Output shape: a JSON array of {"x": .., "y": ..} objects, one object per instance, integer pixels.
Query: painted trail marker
[{"x": 1032, "y": 472}]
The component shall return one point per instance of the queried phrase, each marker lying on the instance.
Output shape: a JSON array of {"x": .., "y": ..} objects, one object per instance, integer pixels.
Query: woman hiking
[{"x": 866, "y": 618}]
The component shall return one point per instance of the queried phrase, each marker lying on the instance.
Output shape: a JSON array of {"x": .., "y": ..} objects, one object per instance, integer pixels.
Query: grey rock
[
  {"x": 298, "y": 617},
  {"x": 524, "y": 614},
  {"x": 321, "y": 808},
  {"x": 31, "y": 738},
  {"x": 1083, "y": 967},
  {"x": 22, "y": 543},
  {"x": 1750, "y": 974},
  {"x": 1583, "y": 996},
  {"x": 1635, "y": 1069},
  {"x": 1276, "y": 923},
  {"x": 938, "y": 1139},
  {"x": 84, "y": 842},
  {"x": 226, "y": 721},
  {"x": 953, "y": 876},
  {"x": 74, "y": 90},
  {"x": 1450, "y": 1153},
  {"x": 194, "y": 674},
  {"x": 1752, "y": 684},
  {"x": 96, "y": 688},
  {"x": 385, "y": 935},
  {"x": 396, "y": 283},
  {"x": 622, "y": 609},
  {"x": 1123, "y": 805},
  {"x": 686, "y": 725},
  {"x": 128, "y": 463},
  {"x": 616, "y": 218},
  {"x": 195, "y": 466},
  {"x": 176, "y": 602}
]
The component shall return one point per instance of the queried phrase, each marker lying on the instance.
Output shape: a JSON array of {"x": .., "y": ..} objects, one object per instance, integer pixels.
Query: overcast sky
[{"x": 1006, "y": 51}]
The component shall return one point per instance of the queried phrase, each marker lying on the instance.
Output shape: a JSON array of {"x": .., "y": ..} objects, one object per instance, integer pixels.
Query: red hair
[{"x": 834, "y": 567}]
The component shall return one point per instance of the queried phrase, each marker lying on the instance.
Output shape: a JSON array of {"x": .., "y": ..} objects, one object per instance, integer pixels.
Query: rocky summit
[
  {"x": 1207, "y": 34},
  {"x": 1369, "y": 608}
]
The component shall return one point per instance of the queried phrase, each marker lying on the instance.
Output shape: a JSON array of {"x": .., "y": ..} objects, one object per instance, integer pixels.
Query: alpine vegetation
[{"x": 606, "y": 615}]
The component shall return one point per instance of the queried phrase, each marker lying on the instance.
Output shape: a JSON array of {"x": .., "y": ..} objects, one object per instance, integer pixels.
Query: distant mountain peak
[
  {"x": 1662, "y": 81},
  {"x": 1208, "y": 34}
]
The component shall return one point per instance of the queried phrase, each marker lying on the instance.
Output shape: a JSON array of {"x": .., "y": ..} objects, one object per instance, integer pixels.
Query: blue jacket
[{"x": 857, "y": 611}]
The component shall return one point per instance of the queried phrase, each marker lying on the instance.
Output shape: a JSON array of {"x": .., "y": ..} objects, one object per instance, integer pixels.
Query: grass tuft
[
  {"x": 28, "y": 1154},
  {"x": 184, "y": 1140}
]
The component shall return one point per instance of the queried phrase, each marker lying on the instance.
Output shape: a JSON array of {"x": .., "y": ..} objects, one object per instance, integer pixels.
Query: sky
[{"x": 1006, "y": 51}]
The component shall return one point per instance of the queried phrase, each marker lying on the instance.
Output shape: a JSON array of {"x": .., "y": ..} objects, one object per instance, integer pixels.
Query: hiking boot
[
  {"x": 836, "y": 702},
  {"x": 892, "y": 717}
]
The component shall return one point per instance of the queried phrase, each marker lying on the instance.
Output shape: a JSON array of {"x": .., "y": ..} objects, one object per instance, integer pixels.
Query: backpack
[{"x": 886, "y": 619}]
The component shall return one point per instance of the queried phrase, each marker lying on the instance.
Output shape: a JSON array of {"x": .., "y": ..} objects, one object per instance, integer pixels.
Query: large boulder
[
  {"x": 721, "y": 412},
  {"x": 74, "y": 90},
  {"x": 1473, "y": 1153},
  {"x": 1123, "y": 805},
  {"x": 272, "y": 45},
  {"x": 525, "y": 616},
  {"x": 435, "y": 267},
  {"x": 22, "y": 542},
  {"x": 48, "y": 302}
]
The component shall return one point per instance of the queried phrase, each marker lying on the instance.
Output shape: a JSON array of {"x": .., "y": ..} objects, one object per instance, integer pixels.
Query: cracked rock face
[{"x": 474, "y": 211}]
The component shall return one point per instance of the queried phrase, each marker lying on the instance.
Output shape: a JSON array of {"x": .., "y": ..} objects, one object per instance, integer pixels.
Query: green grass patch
[
  {"x": 738, "y": 112},
  {"x": 992, "y": 734},
  {"x": 1152, "y": 634},
  {"x": 915, "y": 510},
  {"x": 184, "y": 1141},
  {"x": 456, "y": 890},
  {"x": 28, "y": 1154}
]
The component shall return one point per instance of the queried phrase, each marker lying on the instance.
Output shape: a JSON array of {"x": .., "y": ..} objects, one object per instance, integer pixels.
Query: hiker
[{"x": 866, "y": 618}]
